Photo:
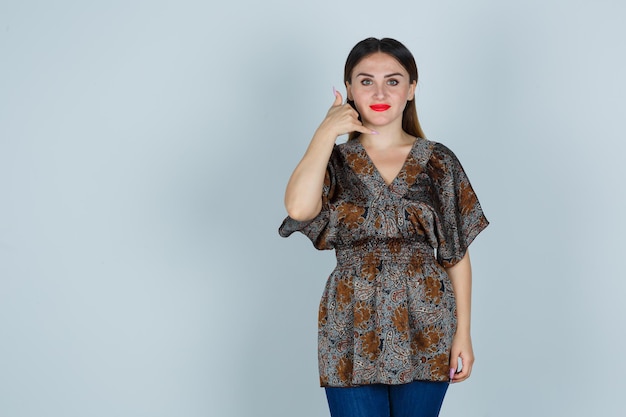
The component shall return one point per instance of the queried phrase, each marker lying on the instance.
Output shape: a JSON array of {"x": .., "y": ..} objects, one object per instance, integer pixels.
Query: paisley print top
[{"x": 388, "y": 313}]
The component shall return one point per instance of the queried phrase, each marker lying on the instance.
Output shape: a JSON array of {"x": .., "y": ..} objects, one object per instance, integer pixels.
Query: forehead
[{"x": 378, "y": 63}]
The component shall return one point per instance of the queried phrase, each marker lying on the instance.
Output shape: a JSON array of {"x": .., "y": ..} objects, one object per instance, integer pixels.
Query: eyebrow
[{"x": 395, "y": 74}]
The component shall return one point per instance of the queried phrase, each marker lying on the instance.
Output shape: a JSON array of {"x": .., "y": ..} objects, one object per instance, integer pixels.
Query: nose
[{"x": 379, "y": 93}]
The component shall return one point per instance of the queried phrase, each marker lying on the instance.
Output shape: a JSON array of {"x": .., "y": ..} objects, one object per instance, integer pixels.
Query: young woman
[{"x": 400, "y": 212}]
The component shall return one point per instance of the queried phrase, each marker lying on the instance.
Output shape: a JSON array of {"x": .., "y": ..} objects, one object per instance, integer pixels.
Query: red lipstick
[{"x": 380, "y": 107}]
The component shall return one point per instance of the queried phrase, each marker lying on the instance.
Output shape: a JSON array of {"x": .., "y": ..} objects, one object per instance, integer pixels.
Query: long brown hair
[{"x": 410, "y": 122}]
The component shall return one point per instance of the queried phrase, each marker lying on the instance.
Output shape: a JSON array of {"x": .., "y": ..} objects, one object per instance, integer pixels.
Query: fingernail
[
  {"x": 374, "y": 132},
  {"x": 334, "y": 91},
  {"x": 452, "y": 372}
]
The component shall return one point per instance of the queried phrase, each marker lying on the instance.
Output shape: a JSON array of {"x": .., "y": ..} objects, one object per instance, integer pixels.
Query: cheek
[
  {"x": 358, "y": 106},
  {"x": 358, "y": 98},
  {"x": 401, "y": 94},
  {"x": 357, "y": 93}
]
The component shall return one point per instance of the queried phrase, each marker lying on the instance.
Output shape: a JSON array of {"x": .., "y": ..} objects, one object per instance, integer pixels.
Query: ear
[
  {"x": 412, "y": 90},
  {"x": 349, "y": 91}
]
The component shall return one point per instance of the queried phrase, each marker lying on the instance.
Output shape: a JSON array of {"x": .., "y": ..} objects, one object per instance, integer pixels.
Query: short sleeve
[
  {"x": 316, "y": 229},
  {"x": 460, "y": 217}
]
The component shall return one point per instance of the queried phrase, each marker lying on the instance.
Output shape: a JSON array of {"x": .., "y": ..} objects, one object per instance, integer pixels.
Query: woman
[{"x": 400, "y": 212}]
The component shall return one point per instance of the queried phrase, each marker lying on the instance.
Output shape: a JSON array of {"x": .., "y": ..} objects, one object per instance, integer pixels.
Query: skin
[
  {"x": 380, "y": 79},
  {"x": 377, "y": 78},
  {"x": 461, "y": 277}
]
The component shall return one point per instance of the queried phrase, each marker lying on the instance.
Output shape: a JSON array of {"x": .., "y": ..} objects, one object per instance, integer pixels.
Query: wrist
[
  {"x": 463, "y": 330},
  {"x": 326, "y": 132}
]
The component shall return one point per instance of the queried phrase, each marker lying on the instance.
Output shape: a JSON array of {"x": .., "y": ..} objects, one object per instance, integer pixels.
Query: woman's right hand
[
  {"x": 342, "y": 119},
  {"x": 303, "y": 197}
]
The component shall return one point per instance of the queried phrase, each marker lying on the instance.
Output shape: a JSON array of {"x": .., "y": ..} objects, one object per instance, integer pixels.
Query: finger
[
  {"x": 467, "y": 368},
  {"x": 338, "y": 98},
  {"x": 454, "y": 360},
  {"x": 454, "y": 365},
  {"x": 465, "y": 371},
  {"x": 462, "y": 376},
  {"x": 363, "y": 129}
]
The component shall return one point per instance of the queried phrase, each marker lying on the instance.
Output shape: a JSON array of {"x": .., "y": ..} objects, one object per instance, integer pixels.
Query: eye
[
  {"x": 366, "y": 81},
  {"x": 393, "y": 82}
]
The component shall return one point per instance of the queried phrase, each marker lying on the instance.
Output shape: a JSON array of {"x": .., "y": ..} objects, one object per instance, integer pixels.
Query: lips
[{"x": 380, "y": 107}]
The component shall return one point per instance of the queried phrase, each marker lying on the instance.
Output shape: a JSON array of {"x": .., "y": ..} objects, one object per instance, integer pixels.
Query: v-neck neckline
[{"x": 377, "y": 171}]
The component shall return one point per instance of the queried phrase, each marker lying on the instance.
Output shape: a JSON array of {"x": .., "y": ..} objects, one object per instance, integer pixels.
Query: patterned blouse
[{"x": 388, "y": 312}]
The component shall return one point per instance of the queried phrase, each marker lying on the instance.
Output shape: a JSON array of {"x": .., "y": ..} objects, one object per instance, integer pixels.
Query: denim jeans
[{"x": 416, "y": 399}]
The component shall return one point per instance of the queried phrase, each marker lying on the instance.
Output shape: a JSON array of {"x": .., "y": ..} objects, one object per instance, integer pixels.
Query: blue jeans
[{"x": 417, "y": 399}]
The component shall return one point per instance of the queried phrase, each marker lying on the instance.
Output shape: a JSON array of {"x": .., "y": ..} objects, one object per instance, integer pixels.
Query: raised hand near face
[{"x": 342, "y": 119}]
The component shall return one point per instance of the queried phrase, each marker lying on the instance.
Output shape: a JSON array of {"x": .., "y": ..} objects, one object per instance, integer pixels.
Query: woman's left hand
[{"x": 461, "y": 347}]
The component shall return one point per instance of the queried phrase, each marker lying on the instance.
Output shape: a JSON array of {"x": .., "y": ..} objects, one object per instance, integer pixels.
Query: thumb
[
  {"x": 338, "y": 98},
  {"x": 454, "y": 365}
]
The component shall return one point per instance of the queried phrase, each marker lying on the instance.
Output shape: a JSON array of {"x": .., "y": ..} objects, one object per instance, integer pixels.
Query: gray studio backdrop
[{"x": 144, "y": 150}]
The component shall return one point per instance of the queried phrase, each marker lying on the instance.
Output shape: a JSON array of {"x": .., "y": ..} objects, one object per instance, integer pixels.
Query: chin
[{"x": 378, "y": 121}]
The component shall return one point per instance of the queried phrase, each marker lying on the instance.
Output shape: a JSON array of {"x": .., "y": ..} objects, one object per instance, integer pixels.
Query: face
[{"x": 380, "y": 88}]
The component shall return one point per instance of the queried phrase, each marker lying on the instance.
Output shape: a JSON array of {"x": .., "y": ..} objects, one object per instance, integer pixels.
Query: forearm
[
  {"x": 303, "y": 196},
  {"x": 461, "y": 277}
]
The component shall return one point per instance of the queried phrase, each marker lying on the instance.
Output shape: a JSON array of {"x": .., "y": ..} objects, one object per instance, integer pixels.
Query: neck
[{"x": 387, "y": 137}]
